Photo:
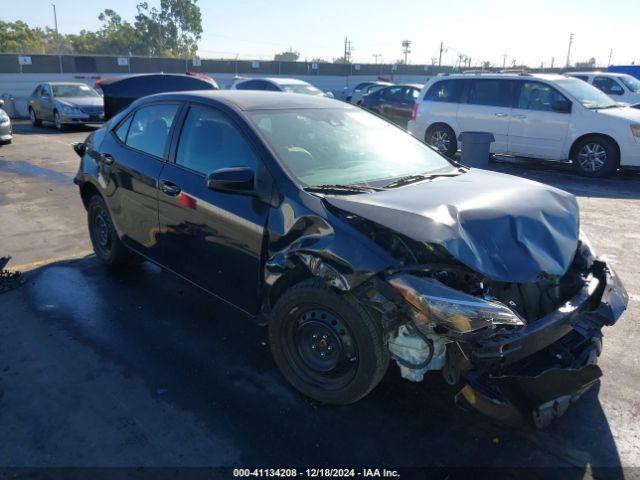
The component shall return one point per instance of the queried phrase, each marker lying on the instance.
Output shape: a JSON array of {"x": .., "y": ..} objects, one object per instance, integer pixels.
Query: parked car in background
[
  {"x": 552, "y": 117},
  {"x": 65, "y": 103},
  {"x": 120, "y": 92},
  {"x": 621, "y": 87},
  {"x": 359, "y": 89},
  {"x": 6, "y": 133},
  {"x": 395, "y": 103},
  {"x": 288, "y": 85},
  {"x": 359, "y": 93},
  {"x": 356, "y": 244}
]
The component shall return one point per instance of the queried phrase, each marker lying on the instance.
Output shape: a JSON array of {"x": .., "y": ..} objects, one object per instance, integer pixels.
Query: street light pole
[
  {"x": 569, "y": 51},
  {"x": 55, "y": 17}
]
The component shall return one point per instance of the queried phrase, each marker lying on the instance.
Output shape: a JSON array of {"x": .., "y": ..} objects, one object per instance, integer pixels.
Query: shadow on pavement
[
  {"x": 27, "y": 169},
  {"x": 24, "y": 127},
  {"x": 200, "y": 356}
]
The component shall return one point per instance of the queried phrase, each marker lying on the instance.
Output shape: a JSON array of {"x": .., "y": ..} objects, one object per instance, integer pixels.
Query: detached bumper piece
[{"x": 536, "y": 374}]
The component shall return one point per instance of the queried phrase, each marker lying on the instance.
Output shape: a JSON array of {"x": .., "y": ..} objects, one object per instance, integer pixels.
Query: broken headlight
[{"x": 449, "y": 308}]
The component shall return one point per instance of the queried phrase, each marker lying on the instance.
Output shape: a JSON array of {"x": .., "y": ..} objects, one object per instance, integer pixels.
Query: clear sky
[{"x": 530, "y": 32}]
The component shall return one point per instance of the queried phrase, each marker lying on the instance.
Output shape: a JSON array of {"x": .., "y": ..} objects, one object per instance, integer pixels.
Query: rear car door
[
  {"x": 390, "y": 98},
  {"x": 488, "y": 109},
  {"x": 131, "y": 157},
  {"x": 45, "y": 103},
  {"x": 539, "y": 122},
  {"x": 213, "y": 238}
]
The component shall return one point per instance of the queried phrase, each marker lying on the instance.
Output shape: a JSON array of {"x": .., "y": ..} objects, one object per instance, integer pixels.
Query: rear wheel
[
  {"x": 595, "y": 157},
  {"x": 34, "y": 120},
  {"x": 106, "y": 244},
  {"x": 325, "y": 344},
  {"x": 443, "y": 139}
]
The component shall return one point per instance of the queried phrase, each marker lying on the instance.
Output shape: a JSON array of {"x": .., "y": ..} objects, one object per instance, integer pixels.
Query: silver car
[
  {"x": 65, "y": 103},
  {"x": 6, "y": 135}
]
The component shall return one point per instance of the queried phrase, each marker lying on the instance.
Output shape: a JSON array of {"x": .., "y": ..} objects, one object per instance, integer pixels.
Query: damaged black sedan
[{"x": 357, "y": 245}]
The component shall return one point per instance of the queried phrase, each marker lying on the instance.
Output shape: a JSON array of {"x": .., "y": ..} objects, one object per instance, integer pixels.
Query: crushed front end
[{"x": 521, "y": 352}]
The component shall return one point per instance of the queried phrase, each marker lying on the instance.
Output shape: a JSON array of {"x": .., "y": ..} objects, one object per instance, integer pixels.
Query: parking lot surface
[{"x": 135, "y": 367}]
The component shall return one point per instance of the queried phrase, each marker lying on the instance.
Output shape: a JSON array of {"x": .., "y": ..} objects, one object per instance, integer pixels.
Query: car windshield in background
[
  {"x": 73, "y": 91},
  {"x": 345, "y": 147},
  {"x": 298, "y": 88},
  {"x": 631, "y": 83},
  {"x": 589, "y": 96}
]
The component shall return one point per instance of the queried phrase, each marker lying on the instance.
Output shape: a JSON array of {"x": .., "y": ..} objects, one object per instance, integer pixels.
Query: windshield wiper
[
  {"x": 418, "y": 177},
  {"x": 341, "y": 189}
]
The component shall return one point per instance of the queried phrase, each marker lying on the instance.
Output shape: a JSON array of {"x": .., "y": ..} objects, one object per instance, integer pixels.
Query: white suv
[
  {"x": 621, "y": 87},
  {"x": 552, "y": 117}
]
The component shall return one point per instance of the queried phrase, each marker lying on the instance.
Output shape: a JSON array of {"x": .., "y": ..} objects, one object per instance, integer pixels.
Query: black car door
[
  {"x": 131, "y": 158},
  {"x": 212, "y": 238},
  {"x": 405, "y": 106}
]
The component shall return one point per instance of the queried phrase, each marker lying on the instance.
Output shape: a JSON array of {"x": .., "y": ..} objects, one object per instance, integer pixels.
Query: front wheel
[
  {"x": 442, "y": 138},
  {"x": 326, "y": 344},
  {"x": 57, "y": 120},
  {"x": 595, "y": 157}
]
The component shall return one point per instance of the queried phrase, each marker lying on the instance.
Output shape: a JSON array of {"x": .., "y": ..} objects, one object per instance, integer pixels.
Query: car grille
[{"x": 91, "y": 110}]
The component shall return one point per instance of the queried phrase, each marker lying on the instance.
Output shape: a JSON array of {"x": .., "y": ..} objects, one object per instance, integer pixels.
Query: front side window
[
  {"x": 150, "y": 127},
  {"x": 588, "y": 96},
  {"x": 74, "y": 90},
  {"x": 631, "y": 83},
  {"x": 538, "y": 96},
  {"x": 608, "y": 85},
  {"x": 344, "y": 146},
  {"x": 210, "y": 142},
  {"x": 392, "y": 93},
  {"x": 249, "y": 85},
  {"x": 495, "y": 93},
  {"x": 445, "y": 91}
]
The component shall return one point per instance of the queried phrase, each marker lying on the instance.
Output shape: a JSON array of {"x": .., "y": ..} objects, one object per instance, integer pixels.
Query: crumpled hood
[{"x": 507, "y": 228}]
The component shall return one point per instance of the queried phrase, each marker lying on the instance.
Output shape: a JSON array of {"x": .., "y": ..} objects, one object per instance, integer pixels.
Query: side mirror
[
  {"x": 80, "y": 148},
  {"x": 233, "y": 180},
  {"x": 561, "y": 107}
]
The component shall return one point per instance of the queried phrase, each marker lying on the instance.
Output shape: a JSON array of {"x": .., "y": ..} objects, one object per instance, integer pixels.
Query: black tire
[
  {"x": 106, "y": 244},
  {"x": 34, "y": 119},
  {"x": 6, "y": 142},
  {"x": 311, "y": 313},
  {"x": 443, "y": 138},
  {"x": 595, "y": 157},
  {"x": 57, "y": 121}
]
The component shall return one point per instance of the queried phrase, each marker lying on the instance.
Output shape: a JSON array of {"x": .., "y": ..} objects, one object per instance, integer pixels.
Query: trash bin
[{"x": 475, "y": 148}]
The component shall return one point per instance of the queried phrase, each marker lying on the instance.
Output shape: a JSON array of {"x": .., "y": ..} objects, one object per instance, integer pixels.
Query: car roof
[
  {"x": 66, "y": 83},
  {"x": 248, "y": 100},
  {"x": 507, "y": 76},
  {"x": 606, "y": 74},
  {"x": 278, "y": 81}
]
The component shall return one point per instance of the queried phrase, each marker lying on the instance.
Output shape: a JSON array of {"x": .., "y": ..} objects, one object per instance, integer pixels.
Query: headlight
[
  {"x": 3, "y": 116},
  {"x": 635, "y": 130},
  {"x": 451, "y": 308},
  {"x": 69, "y": 109}
]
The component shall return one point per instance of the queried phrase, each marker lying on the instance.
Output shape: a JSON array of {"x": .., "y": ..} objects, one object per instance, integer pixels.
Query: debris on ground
[{"x": 8, "y": 280}]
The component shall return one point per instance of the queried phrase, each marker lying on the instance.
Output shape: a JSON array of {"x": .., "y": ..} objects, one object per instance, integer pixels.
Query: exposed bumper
[{"x": 536, "y": 373}]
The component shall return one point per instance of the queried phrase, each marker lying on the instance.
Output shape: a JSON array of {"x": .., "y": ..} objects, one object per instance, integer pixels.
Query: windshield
[
  {"x": 631, "y": 83},
  {"x": 344, "y": 146},
  {"x": 72, "y": 90},
  {"x": 301, "y": 88},
  {"x": 588, "y": 95}
]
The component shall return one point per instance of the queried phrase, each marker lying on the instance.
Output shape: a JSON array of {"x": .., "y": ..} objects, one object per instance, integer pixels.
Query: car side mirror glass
[
  {"x": 233, "y": 180},
  {"x": 561, "y": 107}
]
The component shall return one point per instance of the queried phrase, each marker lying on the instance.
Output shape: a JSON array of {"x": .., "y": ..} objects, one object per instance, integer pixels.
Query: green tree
[
  {"x": 18, "y": 37},
  {"x": 173, "y": 30}
]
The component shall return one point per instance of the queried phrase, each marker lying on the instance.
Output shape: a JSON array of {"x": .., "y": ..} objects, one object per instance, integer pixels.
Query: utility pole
[
  {"x": 553, "y": 60},
  {"x": 504, "y": 61},
  {"x": 376, "y": 56},
  {"x": 406, "y": 49},
  {"x": 348, "y": 47},
  {"x": 440, "y": 57},
  {"x": 55, "y": 17},
  {"x": 569, "y": 51},
  {"x": 610, "y": 55}
]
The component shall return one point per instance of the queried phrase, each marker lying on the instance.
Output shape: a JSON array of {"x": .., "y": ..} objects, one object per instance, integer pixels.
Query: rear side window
[
  {"x": 250, "y": 85},
  {"x": 538, "y": 96},
  {"x": 150, "y": 127},
  {"x": 209, "y": 142},
  {"x": 445, "y": 91},
  {"x": 495, "y": 93},
  {"x": 123, "y": 129}
]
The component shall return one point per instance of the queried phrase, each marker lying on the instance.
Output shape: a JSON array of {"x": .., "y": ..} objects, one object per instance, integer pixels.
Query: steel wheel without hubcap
[
  {"x": 101, "y": 231},
  {"x": 321, "y": 347},
  {"x": 592, "y": 157}
]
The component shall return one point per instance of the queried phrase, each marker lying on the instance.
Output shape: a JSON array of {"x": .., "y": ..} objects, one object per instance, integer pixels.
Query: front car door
[
  {"x": 45, "y": 103},
  {"x": 131, "y": 157},
  {"x": 539, "y": 125},
  {"x": 610, "y": 86},
  {"x": 213, "y": 238},
  {"x": 487, "y": 109}
]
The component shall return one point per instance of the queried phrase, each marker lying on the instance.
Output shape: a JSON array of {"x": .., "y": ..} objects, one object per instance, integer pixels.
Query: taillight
[{"x": 414, "y": 112}]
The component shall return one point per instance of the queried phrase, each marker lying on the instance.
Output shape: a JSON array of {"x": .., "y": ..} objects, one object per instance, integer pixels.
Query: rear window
[
  {"x": 445, "y": 91},
  {"x": 496, "y": 93}
]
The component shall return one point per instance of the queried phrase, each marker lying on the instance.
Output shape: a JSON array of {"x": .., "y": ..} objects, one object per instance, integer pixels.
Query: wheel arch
[
  {"x": 88, "y": 190},
  {"x": 575, "y": 143}
]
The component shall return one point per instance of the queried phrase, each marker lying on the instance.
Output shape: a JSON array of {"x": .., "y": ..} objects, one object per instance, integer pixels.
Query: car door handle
[
  {"x": 169, "y": 188},
  {"x": 107, "y": 159},
  {"x": 520, "y": 117},
  {"x": 501, "y": 114}
]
